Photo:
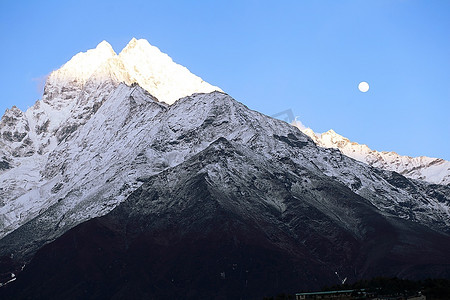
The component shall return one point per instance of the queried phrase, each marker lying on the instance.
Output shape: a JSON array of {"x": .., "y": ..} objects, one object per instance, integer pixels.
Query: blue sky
[{"x": 307, "y": 56}]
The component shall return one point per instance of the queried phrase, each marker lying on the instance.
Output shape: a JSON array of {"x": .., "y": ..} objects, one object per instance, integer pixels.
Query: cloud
[
  {"x": 288, "y": 116},
  {"x": 40, "y": 83},
  {"x": 298, "y": 124}
]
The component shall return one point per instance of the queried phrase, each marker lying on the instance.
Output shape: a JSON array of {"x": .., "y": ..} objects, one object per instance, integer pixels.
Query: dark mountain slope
[{"x": 228, "y": 223}]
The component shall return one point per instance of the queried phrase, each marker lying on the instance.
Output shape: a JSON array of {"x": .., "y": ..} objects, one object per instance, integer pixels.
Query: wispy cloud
[
  {"x": 40, "y": 83},
  {"x": 298, "y": 124}
]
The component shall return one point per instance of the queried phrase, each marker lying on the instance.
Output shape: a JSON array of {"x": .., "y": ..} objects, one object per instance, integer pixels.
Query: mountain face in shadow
[{"x": 229, "y": 223}]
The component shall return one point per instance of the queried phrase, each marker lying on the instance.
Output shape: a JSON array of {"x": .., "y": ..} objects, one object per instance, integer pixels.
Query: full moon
[{"x": 363, "y": 86}]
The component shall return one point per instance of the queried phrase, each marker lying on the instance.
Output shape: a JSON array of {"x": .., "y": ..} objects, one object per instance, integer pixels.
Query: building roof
[{"x": 326, "y": 293}]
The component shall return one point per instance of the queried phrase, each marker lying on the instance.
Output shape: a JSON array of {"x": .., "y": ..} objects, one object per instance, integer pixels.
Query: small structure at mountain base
[
  {"x": 341, "y": 295},
  {"x": 353, "y": 294}
]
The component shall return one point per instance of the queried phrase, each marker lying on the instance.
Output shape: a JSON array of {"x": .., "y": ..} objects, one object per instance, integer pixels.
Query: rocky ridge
[{"x": 433, "y": 170}]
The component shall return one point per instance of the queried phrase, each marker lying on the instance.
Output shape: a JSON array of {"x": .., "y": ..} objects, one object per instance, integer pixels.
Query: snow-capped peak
[
  {"x": 159, "y": 74},
  {"x": 138, "y": 62},
  {"x": 132, "y": 44},
  {"x": 81, "y": 67},
  {"x": 105, "y": 47},
  {"x": 331, "y": 138},
  {"x": 80, "y": 86},
  {"x": 72, "y": 95},
  {"x": 434, "y": 170}
]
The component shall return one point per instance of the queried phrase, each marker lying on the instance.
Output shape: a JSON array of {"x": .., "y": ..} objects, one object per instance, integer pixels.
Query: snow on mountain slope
[
  {"x": 433, "y": 170},
  {"x": 228, "y": 210},
  {"x": 72, "y": 95},
  {"x": 75, "y": 91},
  {"x": 132, "y": 137},
  {"x": 93, "y": 139}
]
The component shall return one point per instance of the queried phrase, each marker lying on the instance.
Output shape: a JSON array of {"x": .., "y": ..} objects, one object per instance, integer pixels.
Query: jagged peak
[
  {"x": 14, "y": 110},
  {"x": 141, "y": 50},
  {"x": 422, "y": 167},
  {"x": 331, "y": 132},
  {"x": 156, "y": 72},
  {"x": 131, "y": 44},
  {"x": 308, "y": 131},
  {"x": 105, "y": 46},
  {"x": 334, "y": 137},
  {"x": 101, "y": 53},
  {"x": 82, "y": 65},
  {"x": 138, "y": 62},
  {"x": 141, "y": 44}
]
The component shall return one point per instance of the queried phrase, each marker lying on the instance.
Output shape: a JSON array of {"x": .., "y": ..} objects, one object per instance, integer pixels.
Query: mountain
[
  {"x": 72, "y": 95},
  {"x": 433, "y": 170},
  {"x": 200, "y": 198}
]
